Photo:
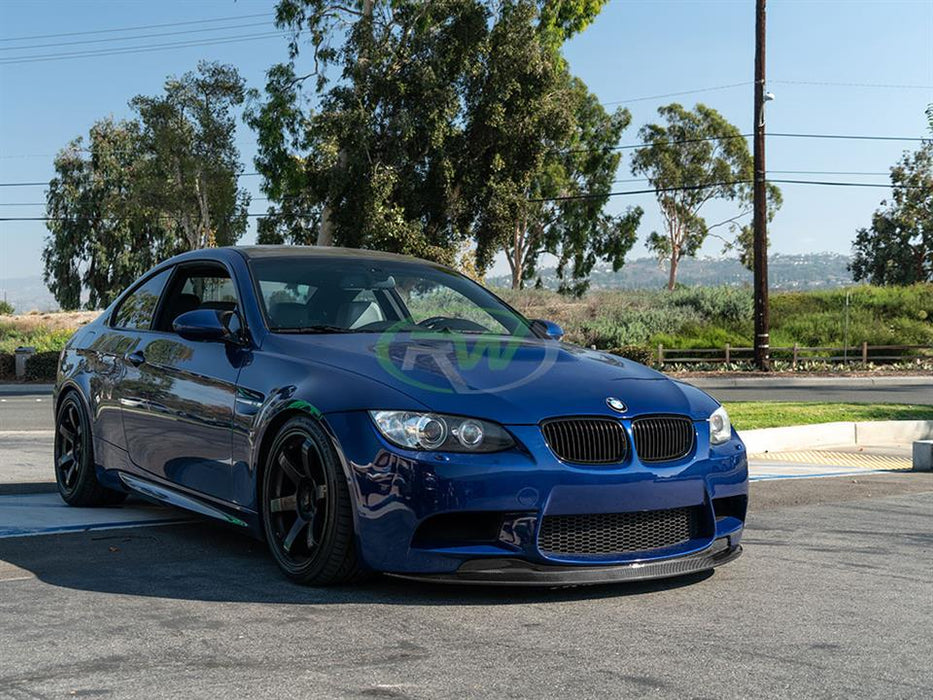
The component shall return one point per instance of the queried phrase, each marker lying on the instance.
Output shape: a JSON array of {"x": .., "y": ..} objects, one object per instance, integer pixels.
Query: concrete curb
[
  {"x": 781, "y": 382},
  {"x": 900, "y": 433}
]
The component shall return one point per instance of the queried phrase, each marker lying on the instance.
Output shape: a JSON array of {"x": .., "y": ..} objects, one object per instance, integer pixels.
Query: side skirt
[{"x": 170, "y": 497}]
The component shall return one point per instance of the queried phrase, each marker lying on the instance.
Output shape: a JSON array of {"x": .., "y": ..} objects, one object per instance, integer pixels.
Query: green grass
[
  {"x": 709, "y": 317},
  {"x": 749, "y": 415},
  {"x": 42, "y": 339}
]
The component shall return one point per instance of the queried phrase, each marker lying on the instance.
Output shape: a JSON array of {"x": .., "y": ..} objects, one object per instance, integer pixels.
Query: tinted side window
[
  {"x": 137, "y": 310},
  {"x": 208, "y": 287}
]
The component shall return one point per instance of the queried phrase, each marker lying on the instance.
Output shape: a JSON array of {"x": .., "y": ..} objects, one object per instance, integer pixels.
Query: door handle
[{"x": 135, "y": 358}]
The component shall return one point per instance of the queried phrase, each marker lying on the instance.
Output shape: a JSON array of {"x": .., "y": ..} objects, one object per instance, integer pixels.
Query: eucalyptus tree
[
  {"x": 898, "y": 246},
  {"x": 101, "y": 237},
  {"x": 695, "y": 157},
  {"x": 374, "y": 162},
  {"x": 416, "y": 125},
  {"x": 567, "y": 148},
  {"x": 140, "y": 190},
  {"x": 190, "y": 163}
]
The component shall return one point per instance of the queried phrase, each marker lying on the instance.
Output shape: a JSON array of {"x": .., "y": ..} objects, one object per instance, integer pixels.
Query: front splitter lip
[{"x": 518, "y": 572}]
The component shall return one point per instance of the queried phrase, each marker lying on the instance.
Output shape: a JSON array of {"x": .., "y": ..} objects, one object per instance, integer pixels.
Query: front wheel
[
  {"x": 307, "y": 516},
  {"x": 75, "y": 472}
]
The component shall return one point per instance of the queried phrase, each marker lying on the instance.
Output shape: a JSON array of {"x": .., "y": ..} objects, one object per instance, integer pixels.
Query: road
[
  {"x": 831, "y": 599},
  {"x": 909, "y": 390},
  {"x": 33, "y": 412}
]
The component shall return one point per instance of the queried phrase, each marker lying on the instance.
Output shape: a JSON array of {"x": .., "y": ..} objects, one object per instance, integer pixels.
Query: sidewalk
[
  {"x": 726, "y": 381},
  {"x": 25, "y": 389}
]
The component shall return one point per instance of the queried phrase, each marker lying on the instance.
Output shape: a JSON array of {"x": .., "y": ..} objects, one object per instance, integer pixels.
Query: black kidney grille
[
  {"x": 587, "y": 440},
  {"x": 663, "y": 438},
  {"x": 618, "y": 533}
]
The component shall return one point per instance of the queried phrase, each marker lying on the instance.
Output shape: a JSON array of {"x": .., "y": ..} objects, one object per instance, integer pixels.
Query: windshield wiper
[{"x": 319, "y": 328}]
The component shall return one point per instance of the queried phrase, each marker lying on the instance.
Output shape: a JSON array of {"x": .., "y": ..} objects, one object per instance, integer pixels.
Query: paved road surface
[
  {"x": 26, "y": 412},
  {"x": 32, "y": 412},
  {"x": 832, "y": 599},
  {"x": 910, "y": 390}
]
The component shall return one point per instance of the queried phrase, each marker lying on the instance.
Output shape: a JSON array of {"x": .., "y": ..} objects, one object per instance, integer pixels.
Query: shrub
[
  {"x": 729, "y": 305},
  {"x": 41, "y": 337},
  {"x": 6, "y": 308},
  {"x": 42, "y": 367},
  {"x": 635, "y": 353},
  {"x": 7, "y": 365}
]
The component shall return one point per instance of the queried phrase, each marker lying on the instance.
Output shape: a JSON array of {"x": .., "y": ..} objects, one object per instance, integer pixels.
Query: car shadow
[{"x": 206, "y": 561}]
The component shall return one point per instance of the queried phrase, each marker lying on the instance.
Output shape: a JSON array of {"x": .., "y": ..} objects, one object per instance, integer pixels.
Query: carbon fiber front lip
[{"x": 517, "y": 572}]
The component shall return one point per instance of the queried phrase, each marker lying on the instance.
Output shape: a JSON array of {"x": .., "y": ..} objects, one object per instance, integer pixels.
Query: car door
[
  {"x": 190, "y": 389},
  {"x": 121, "y": 391}
]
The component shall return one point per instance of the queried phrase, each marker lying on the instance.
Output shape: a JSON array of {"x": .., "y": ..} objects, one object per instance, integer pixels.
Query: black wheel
[
  {"x": 74, "y": 458},
  {"x": 306, "y": 510}
]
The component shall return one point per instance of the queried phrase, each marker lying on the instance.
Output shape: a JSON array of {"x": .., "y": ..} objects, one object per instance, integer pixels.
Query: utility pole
[{"x": 760, "y": 249}]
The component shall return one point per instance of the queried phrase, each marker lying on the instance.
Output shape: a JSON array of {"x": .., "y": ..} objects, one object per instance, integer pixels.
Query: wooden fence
[{"x": 858, "y": 354}]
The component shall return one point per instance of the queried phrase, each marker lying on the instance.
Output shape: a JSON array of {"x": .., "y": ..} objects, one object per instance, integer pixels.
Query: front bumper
[
  {"x": 399, "y": 494},
  {"x": 519, "y": 572}
]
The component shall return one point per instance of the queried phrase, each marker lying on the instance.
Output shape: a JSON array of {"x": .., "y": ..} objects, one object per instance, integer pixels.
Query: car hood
[{"x": 512, "y": 381}]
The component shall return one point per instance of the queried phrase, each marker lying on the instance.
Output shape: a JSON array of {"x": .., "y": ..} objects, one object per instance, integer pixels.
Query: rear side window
[{"x": 136, "y": 311}]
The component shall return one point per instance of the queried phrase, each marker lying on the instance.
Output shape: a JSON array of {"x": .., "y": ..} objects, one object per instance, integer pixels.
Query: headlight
[
  {"x": 433, "y": 431},
  {"x": 720, "y": 429}
]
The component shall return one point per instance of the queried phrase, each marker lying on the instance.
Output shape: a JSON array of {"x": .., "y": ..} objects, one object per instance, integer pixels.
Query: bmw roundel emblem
[{"x": 616, "y": 405}]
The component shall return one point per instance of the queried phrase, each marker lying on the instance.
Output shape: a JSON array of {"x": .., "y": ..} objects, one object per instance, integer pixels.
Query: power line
[
  {"x": 133, "y": 29},
  {"x": 687, "y": 188},
  {"x": 250, "y": 215},
  {"x": 831, "y": 172},
  {"x": 582, "y": 196},
  {"x": 848, "y": 184},
  {"x": 138, "y": 49},
  {"x": 727, "y": 137},
  {"x": 822, "y": 83},
  {"x": 678, "y": 94},
  {"x": 848, "y": 136},
  {"x": 30, "y": 47},
  {"x": 614, "y": 182}
]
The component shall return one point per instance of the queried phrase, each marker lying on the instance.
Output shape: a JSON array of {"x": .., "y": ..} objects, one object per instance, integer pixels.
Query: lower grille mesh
[{"x": 618, "y": 533}]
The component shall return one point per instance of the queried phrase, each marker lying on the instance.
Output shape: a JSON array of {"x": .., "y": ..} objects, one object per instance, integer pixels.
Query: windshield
[{"x": 326, "y": 295}]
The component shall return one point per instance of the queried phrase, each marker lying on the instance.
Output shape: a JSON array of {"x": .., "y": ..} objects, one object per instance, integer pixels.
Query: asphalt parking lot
[{"x": 833, "y": 598}]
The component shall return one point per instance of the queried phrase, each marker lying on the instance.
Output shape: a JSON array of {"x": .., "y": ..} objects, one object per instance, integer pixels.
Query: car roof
[
  {"x": 293, "y": 251},
  {"x": 313, "y": 251}
]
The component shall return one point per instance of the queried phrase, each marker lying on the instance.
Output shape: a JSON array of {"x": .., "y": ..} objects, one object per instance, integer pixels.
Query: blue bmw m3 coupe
[{"x": 365, "y": 412}]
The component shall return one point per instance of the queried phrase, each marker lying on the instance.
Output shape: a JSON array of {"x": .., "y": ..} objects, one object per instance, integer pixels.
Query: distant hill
[
  {"x": 785, "y": 272},
  {"x": 813, "y": 271},
  {"x": 27, "y": 294}
]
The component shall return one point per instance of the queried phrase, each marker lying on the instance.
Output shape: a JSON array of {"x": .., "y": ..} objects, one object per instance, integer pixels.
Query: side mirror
[
  {"x": 206, "y": 325},
  {"x": 547, "y": 329}
]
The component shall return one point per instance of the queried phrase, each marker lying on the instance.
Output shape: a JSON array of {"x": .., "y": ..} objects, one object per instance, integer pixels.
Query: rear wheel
[
  {"x": 306, "y": 511},
  {"x": 75, "y": 472}
]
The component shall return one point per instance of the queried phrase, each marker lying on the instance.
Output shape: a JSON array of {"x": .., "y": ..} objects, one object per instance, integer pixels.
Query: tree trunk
[
  {"x": 205, "y": 233},
  {"x": 325, "y": 233},
  {"x": 517, "y": 259},
  {"x": 672, "y": 276}
]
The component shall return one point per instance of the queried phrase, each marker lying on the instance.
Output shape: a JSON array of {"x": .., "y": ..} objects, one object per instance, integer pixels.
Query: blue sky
[{"x": 825, "y": 63}]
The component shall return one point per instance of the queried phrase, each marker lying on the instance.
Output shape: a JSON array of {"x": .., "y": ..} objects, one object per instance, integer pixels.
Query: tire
[
  {"x": 307, "y": 515},
  {"x": 75, "y": 472}
]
